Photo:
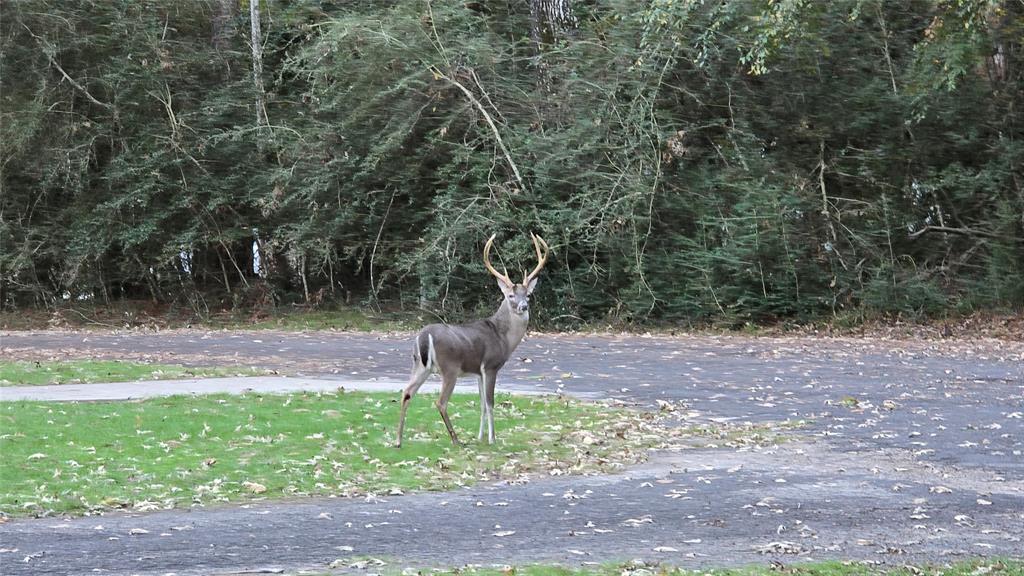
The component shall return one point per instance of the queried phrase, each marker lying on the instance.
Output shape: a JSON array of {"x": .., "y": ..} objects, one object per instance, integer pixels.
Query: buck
[{"x": 481, "y": 347}]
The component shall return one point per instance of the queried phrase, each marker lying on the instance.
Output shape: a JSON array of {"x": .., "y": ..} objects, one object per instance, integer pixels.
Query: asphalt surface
[{"x": 909, "y": 452}]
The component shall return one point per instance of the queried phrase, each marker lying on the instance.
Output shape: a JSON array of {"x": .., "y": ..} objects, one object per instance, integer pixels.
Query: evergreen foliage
[{"x": 687, "y": 161}]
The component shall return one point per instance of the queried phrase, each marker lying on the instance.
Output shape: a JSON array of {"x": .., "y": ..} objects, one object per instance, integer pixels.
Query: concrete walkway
[{"x": 113, "y": 391}]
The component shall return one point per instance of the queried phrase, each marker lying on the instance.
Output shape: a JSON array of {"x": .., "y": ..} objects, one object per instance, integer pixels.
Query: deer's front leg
[
  {"x": 447, "y": 387},
  {"x": 483, "y": 405},
  {"x": 490, "y": 379}
]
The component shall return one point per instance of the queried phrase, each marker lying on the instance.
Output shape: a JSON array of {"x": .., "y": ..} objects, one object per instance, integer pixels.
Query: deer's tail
[{"x": 425, "y": 350}]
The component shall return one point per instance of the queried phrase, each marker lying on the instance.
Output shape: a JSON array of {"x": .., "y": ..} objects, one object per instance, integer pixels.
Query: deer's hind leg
[{"x": 418, "y": 377}]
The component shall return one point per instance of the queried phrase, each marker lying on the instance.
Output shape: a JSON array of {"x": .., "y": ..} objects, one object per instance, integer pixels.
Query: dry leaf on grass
[{"x": 254, "y": 487}]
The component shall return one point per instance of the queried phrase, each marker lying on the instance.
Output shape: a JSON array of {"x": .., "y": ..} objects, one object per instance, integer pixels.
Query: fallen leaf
[
  {"x": 254, "y": 487},
  {"x": 781, "y": 547},
  {"x": 665, "y": 406}
]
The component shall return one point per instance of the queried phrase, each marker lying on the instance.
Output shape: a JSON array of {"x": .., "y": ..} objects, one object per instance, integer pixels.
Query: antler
[
  {"x": 542, "y": 259},
  {"x": 487, "y": 262}
]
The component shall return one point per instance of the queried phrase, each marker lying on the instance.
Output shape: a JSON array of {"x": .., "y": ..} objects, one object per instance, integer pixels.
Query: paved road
[{"x": 912, "y": 451}]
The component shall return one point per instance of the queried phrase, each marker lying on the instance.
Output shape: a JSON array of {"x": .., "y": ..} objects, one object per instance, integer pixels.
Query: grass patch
[
  {"x": 983, "y": 567},
  {"x": 86, "y": 371},
  {"x": 347, "y": 319},
  {"x": 146, "y": 315},
  {"x": 179, "y": 451}
]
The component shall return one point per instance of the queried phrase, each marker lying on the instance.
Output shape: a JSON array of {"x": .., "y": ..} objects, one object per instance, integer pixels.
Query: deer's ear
[
  {"x": 532, "y": 284},
  {"x": 506, "y": 288}
]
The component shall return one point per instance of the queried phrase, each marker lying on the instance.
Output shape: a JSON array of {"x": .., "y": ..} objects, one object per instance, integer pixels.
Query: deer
[{"x": 481, "y": 347}]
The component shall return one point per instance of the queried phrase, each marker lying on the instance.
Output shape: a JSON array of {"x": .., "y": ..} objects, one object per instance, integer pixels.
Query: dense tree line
[{"x": 686, "y": 160}]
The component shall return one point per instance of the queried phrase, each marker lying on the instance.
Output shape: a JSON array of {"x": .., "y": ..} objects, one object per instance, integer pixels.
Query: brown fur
[{"x": 481, "y": 347}]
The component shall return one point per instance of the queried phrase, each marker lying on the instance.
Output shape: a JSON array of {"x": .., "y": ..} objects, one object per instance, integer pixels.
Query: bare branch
[
  {"x": 824, "y": 203},
  {"x": 66, "y": 76},
  {"x": 963, "y": 232},
  {"x": 490, "y": 122},
  {"x": 373, "y": 284}
]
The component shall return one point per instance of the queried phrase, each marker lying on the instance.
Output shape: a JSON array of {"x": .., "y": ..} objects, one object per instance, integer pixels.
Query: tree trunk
[
  {"x": 548, "y": 19},
  {"x": 257, "y": 62},
  {"x": 223, "y": 13}
]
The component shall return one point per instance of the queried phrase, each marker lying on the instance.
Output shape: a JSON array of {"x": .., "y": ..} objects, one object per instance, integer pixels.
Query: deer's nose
[{"x": 523, "y": 306}]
